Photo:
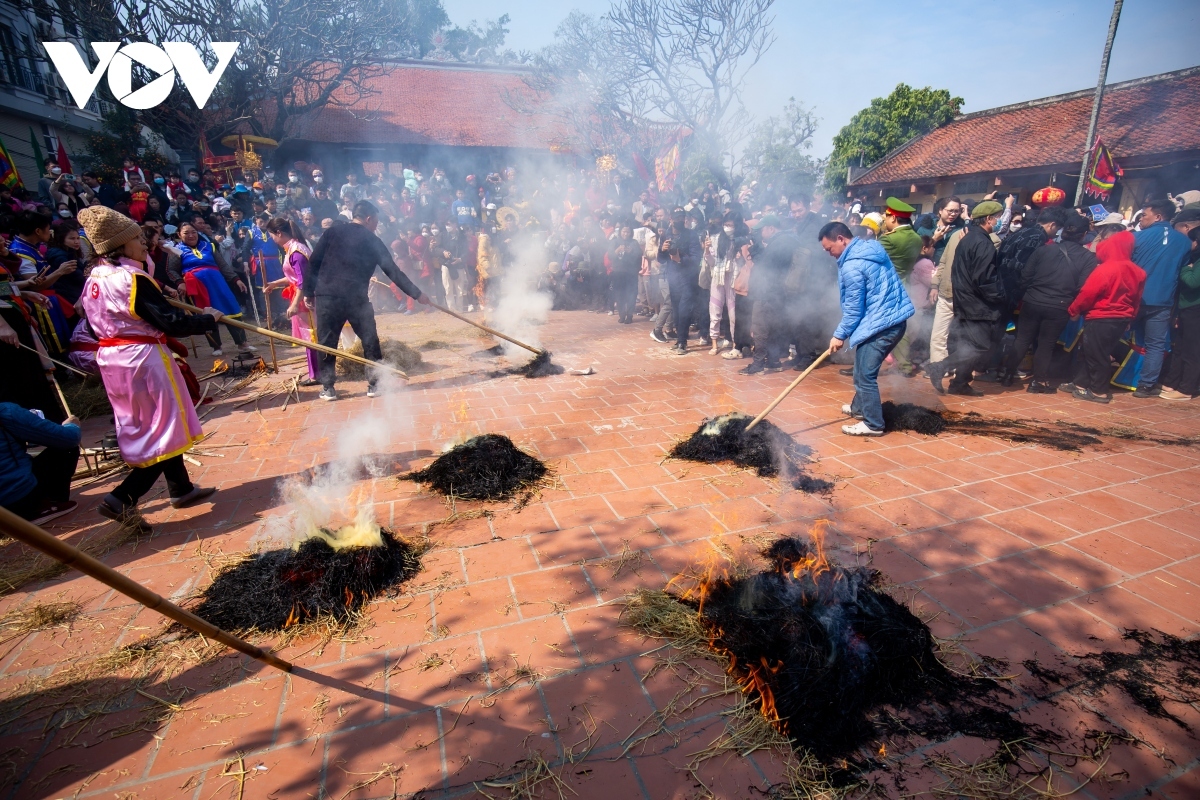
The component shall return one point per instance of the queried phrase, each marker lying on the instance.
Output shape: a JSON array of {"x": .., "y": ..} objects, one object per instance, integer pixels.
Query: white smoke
[
  {"x": 521, "y": 309},
  {"x": 341, "y": 495}
]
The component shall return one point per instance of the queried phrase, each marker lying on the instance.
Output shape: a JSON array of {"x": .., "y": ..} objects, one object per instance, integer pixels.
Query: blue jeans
[
  {"x": 868, "y": 358},
  {"x": 684, "y": 283},
  {"x": 1157, "y": 322}
]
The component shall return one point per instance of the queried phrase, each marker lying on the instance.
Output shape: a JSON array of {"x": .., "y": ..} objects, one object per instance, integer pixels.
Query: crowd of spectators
[{"x": 739, "y": 271}]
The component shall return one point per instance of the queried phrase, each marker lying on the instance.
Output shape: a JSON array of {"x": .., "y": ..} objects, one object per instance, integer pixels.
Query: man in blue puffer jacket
[{"x": 875, "y": 310}]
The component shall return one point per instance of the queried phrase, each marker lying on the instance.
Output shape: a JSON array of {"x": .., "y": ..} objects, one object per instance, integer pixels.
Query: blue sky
[{"x": 835, "y": 57}]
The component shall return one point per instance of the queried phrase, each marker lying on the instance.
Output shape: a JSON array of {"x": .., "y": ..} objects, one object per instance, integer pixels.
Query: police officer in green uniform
[{"x": 903, "y": 246}]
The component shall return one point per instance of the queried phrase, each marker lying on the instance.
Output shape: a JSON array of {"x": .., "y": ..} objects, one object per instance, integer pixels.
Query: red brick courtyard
[{"x": 508, "y": 643}]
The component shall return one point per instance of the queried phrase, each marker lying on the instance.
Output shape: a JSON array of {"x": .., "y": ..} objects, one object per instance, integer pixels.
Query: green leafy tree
[
  {"x": 885, "y": 125},
  {"x": 120, "y": 137},
  {"x": 776, "y": 153}
]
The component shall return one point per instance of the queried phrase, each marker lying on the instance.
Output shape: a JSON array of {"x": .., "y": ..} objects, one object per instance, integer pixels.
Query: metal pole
[
  {"x": 1091, "y": 132},
  {"x": 37, "y": 538}
]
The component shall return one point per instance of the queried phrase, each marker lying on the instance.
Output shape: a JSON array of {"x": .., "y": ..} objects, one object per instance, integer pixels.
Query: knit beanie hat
[{"x": 107, "y": 229}]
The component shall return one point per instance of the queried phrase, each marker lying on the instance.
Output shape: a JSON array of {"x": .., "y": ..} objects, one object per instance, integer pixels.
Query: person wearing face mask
[
  {"x": 721, "y": 297},
  {"x": 158, "y": 188},
  {"x": 194, "y": 189},
  {"x": 52, "y": 173}
]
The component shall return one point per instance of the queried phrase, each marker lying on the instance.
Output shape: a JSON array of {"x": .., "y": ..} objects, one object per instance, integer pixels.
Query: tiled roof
[
  {"x": 434, "y": 104},
  {"x": 1144, "y": 117}
]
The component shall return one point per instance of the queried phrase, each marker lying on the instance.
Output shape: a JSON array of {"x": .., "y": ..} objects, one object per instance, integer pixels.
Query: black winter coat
[
  {"x": 978, "y": 291},
  {"x": 1055, "y": 273}
]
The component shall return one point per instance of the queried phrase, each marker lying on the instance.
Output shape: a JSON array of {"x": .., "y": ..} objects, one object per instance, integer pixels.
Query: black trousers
[
  {"x": 685, "y": 291},
  {"x": 53, "y": 469},
  {"x": 771, "y": 330},
  {"x": 1038, "y": 326},
  {"x": 975, "y": 341},
  {"x": 140, "y": 479},
  {"x": 1100, "y": 336},
  {"x": 1184, "y": 372},
  {"x": 625, "y": 286},
  {"x": 214, "y": 336},
  {"x": 332, "y": 314}
]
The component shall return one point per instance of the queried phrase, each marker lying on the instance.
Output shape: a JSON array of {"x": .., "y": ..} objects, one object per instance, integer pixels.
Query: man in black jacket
[
  {"x": 1050, "y": 279},
  {"x": 680, "y": 253},
  {"x": 979, "y": 301},
  {"x": 338, "y": 276}
]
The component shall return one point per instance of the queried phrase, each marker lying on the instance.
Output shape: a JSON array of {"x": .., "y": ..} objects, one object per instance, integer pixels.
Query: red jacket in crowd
[{"x": 1114, "y": 289}]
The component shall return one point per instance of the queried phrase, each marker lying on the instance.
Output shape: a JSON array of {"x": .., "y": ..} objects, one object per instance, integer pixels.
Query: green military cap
[
  {"x": 899, "y": 208},
  {"x": 986, "y": 209}
]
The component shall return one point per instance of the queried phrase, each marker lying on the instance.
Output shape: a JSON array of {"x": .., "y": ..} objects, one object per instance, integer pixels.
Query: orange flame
[
  {"x": 293, "y": 618},
  {"x": 752, "y": 679}
]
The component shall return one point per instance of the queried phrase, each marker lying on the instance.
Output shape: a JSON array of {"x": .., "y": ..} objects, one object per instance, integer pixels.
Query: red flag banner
[{"x": 1104, "y": 173}]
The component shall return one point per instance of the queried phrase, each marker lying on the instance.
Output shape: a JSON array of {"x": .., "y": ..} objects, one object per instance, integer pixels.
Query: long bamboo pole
[
  {"x": 283, "y": 337},
  {"x": 62, "y": 398},
  {"x": 38, "y": 539},
  {"x": 52, "y": 360},
  {"x": 262, "y": 273},
  {"x": 492, "y": 331},
  {"x": 788, "y": 390}
]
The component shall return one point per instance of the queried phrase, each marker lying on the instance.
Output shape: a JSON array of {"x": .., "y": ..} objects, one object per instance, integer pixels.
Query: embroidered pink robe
[
  {"x": 295, "y": 262},
  {"x": 155, "y": 417}
]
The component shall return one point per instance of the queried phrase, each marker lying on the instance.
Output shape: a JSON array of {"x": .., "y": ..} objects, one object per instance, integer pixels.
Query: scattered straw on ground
[
  {"x": 396, "y": 353},
  {"x": 39, "y": 617},
  {"x": 21, "y": 565}
]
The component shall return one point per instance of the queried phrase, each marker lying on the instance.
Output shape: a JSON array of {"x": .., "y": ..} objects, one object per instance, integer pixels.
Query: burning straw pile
[
  {"x": 821, "y": 648},
  {"x": 486, "y": 467},
  {"x": 329, "y": 576},
  {"x": 765, "y": 448}
]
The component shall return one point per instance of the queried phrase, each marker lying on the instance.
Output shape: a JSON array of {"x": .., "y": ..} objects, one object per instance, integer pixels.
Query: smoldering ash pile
[
  {"x": 833, "y": 662},
  {"x": 486, "y": 467},
  {"x": 764, "y": 448},
  {"x": 329, "y": 575}
]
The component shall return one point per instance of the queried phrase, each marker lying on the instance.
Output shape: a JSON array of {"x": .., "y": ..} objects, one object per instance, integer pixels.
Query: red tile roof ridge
[{"x": 1133, "y": 123}]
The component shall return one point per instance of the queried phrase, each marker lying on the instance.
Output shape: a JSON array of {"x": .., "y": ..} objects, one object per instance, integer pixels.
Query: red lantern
[{"x": 1049, "y": 196}]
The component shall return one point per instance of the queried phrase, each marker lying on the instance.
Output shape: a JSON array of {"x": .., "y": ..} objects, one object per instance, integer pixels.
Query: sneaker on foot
[
  {"x": 218, "y": 353},
  {"x": 1142, "y": 394},
  {"x": 657, "y": 335},
  {"x": 1088, "y": 394},
  {"x": 328, "y": 394},
  {"x": 732, "y": 354},
  {"x": 125, "y": 516},
  {"x": 1171, "y": 394},
  {"x": 679, "y": 350},
  {"x": 1069, "y": 388},
  {"x": 372, "y": 390},
  {"x": 860, "y": 429},
  {"x": 753, "y": 368},
  {"x": 247, "y": 348},
  {"x": 848, "y": 372},
  {"x": 847, "y": 411},
  {"x": 194, "y": 496},
  {"x": 53, "y": 509}
]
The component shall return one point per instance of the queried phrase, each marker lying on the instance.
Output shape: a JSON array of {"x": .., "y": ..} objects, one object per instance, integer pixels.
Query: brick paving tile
[{"x": 510, "y": 641}]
